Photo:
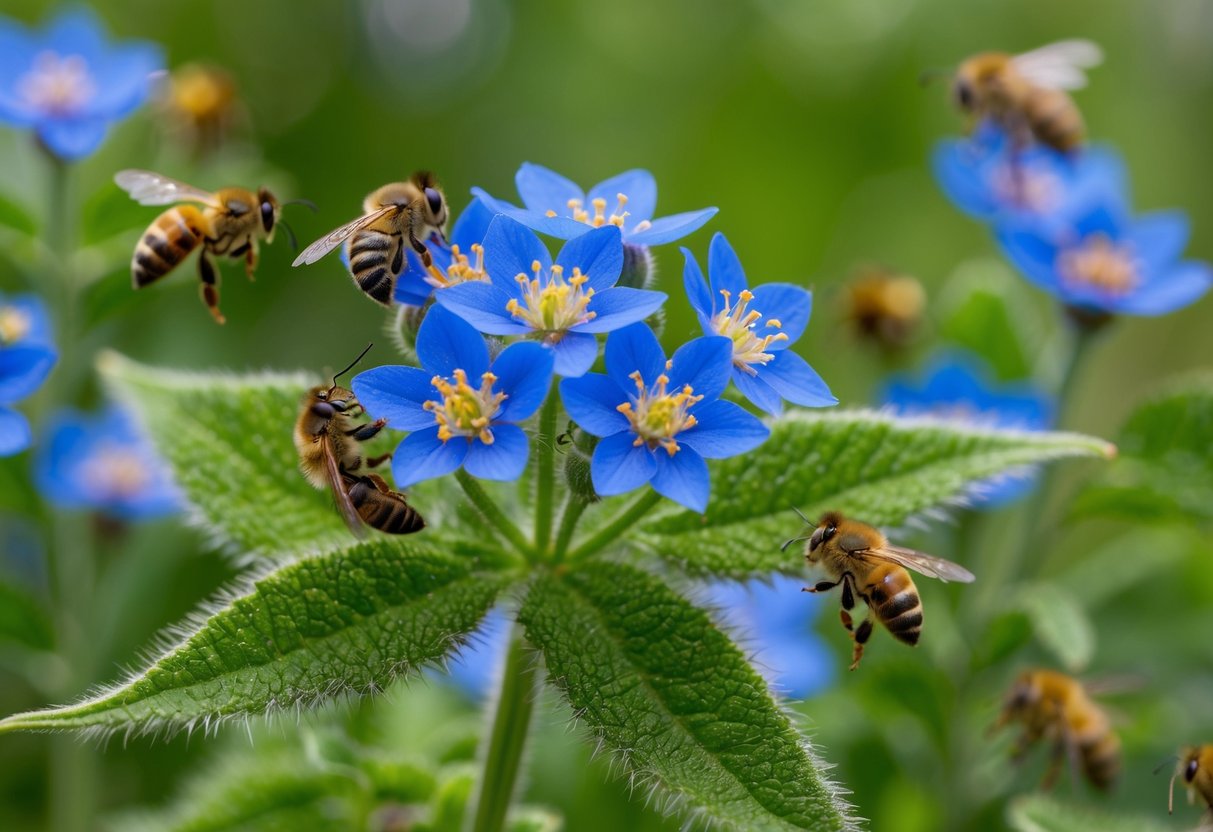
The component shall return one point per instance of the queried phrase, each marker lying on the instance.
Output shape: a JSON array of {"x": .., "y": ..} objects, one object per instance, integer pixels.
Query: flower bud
[
  {"x": 577, "y": 464},
  {"x": 639, "y": 267}
]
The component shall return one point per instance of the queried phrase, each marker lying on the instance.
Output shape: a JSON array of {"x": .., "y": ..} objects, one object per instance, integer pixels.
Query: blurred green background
[{"x": 806, "y": 125}]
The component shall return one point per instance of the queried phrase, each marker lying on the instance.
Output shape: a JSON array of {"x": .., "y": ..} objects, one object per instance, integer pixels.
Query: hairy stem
[
  {"x": 622, "y": 522},
  {"x": 545, "y": 471},
  {"x": 493, "y": 514},
  {"x": 573, "y": 507},
  {"x": 503, "y": 757}
]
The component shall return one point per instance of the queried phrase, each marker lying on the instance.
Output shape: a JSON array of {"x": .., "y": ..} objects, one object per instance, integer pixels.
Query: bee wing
[
  {"x": 1059, "y": 65},
  {"x": 340, "y": 494},
  {"x": 149, "y": 188},
  {"x": 922, "y": 563},
  {"x": 335, "y": 238}
]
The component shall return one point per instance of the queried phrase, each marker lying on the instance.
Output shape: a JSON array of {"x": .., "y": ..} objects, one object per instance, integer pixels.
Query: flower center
[
  {"x": 658, "y": 416},
  {"x": 1100, "y": 263},
  {"x": 461, "y": 270},
  {"x": 552, "y": 306},
  {"x": 618, "y": 217},
  {"x": 464, "y": 410},
  {"x": 1026, "y": 188},
  {"x": 14, "y": 324},
  {"x": 115, "y": 472},
  {"x": 737, "y": 323},
  {"x": 57, "y": 84}
]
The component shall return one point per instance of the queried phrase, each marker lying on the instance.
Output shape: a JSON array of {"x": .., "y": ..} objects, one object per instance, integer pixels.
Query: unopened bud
[{"x": 639, "y": 267}]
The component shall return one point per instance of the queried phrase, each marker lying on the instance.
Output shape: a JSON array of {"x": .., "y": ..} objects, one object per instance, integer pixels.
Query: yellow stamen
[
  {"x": 14, "y": 324},
  {"x": 554, "y": 305},
  {"x": 600, "y": 217},
  {"x": 115, "y": 471},
  {"x": 464, "y": 410},
  {"x": 57, "y": 84},
  {"x": 737, "y": 323},
  {"x": 657, "y": 416},
  {"x": 461, "y": 270},
  {"x": 1100, "y": 263}
]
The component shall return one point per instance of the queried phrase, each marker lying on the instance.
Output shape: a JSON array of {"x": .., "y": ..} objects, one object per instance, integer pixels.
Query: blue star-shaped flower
[
  {"x": 659, "y": 420},
  {"x": 458, "y": 260},
  {"x": 761, "y": 324},
  {"x": 559, "y": 208},
  {"x": 68, "y": 83},
  {"x": 461, "y": 410},
  {"x": 564, "y": 304},
  {"x": 27, "y": 354},
  {"x": 104, "y": 463}
]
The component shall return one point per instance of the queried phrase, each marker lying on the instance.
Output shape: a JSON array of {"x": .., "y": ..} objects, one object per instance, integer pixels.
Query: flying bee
[
  {"x": 394, "y": 213},
  {"x": 1196, "y": 768},
  {"x": 330, "y": 456},
  {"x": 1026, "y": 94},
  {"x": 867, "y": 566},
  {"x": 228, "y": 224},
  {"x": 1058, "y": 708}
]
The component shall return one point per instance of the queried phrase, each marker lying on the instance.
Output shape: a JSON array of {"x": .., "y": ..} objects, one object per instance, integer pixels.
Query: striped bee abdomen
[
  {"x": 894, "y": 599},
  {"x": 376, "y": 259},
  {"x": 1101, "y": 758},
  {"x": 167, "y": 241},
  {"x": 387, "y": 512}
]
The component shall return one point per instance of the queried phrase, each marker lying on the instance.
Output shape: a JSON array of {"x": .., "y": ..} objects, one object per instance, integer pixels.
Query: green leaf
[
  {"x": 348, "y": 622},
  {"x": 16, "y": 217},
  {"x": 878, "y": 468},
  {"x": 988, "y": 311},
  {"x": 677, "y": 702},
  {"x": 1126, "y": 562},
  {"x": 1061, "y": 625},
  {"x": 1041, "y": 813},
  {"x": 1165, "y": 469},
  {"x": 24, "y": 619}
]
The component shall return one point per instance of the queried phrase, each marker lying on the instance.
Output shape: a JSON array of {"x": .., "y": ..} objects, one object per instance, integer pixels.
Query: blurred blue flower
[
  {"x": 104, "y": 463},
  {"x": 559, "y": 208},
  {"x": 778, "y": 620},
  {"x": 958, "y": 385},
  {"x": 988, "y": 178},
  {"x": 529, "y": 295},
  {"x": 27, "y": 354},
  {"x": 68, "y": 83},
  {"x": 1110, "y": 262},
  {"x": 459, "y": 260},
  {"x": 763, "y": 367},
  {"x": 478, "y": 663},
  {"x": 461, "y": 410},
  {"x": 659, "y": 420}
]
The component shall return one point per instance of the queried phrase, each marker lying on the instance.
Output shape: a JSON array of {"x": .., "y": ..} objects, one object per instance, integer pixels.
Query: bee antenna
[
  {"x": 352, "y": 364},
  {"x": 929, "y": 75},
  {"x": 1174, "y": 758},
  {"x": 806, "y": 520},
  {"x": 305, "y": 202},
  {"x": 788, "y": 543},
  {"x": 291, "y": 239}
]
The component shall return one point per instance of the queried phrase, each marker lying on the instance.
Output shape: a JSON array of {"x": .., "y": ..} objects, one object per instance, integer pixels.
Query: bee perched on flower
[
  {"x": 27, "y": 355},
  {"x": 68, "y": 84},
  {"x": 458, "y": 259}
]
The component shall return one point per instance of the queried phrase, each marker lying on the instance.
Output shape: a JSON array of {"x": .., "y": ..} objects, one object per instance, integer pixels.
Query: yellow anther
[
  {"x": 578, "y": 212},
  {"x": 552, "y": 305},
  {"x": 464, "y": 410},
  {"x": 461, "y": 269},
  {"x": 737, "y": 323},
  {"x": 14, "y": 324},
  {"x": 1099, "y": 263},
  {"x": 657, "y": 416},
  {"x": 57, "y": 84},
  {"x": 115, "y": 471}
]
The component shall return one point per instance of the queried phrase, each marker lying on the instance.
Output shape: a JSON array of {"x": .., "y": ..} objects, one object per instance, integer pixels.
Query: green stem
[
  {"x": 623, "y": 521},
  {"x": 503, "y": 757},
  {"x": 573, "y": 507},
  {"x": 493, "y": 514},
  {"x": 545, "y": 471}
]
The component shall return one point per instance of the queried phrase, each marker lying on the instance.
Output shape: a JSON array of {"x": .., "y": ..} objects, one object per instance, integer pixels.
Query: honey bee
[
  {"x": 1026, "y": 94},
  {"x": 228, "y": 225},
  {"x": 375, "y": 241},
  {"x": 1196, "y": 768},
  {"x": 330, "y": 456},
  {"x": 1056, "y": 707},
  {"x": 867, "y": 566}
]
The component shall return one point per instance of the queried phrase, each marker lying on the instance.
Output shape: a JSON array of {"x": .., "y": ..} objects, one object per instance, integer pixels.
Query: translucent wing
[
  {"x": 1060, "y": 65},
  {"x": 149, "y": 188},
  {"x": 333, "y": 239},
  {"x": 340, "y": 493},
  {"x": 925, "y": 564}
]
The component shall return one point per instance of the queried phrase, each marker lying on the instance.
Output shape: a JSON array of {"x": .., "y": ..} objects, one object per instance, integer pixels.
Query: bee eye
[
  {"x": 434, "y": 199},
  {"x": 267, "y": 216},
  {"x": 964, "y": 96},
  {"x": 1190, "y": 771},
  {"x": 829, "y": 532}
]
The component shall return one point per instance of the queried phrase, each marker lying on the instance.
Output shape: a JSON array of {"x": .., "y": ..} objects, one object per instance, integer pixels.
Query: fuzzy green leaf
[
  {"x": 878, "y": 468},
  {"x": 664, "y": 689},
  {"x": 1041, "y": 813},
  {"x": 1060, "y": 624},
  {"x": 346, "y": 622}
]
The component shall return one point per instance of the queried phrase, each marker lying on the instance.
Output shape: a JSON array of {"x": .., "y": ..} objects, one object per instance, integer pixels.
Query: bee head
[
  {"x": 1191, "y": 766},
  {"x": 268, "y": 206},
  {"x": 825, "y": 531},
  {"x": 962, "y": 94}
]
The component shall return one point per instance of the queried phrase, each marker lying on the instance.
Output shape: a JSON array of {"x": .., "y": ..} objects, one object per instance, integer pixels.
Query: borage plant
[{"x": 589, "y": 503}]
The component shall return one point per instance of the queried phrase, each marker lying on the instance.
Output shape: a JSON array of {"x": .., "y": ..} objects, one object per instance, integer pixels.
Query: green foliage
[
  {"x": 349, "y": 621},
  {"x": 1041, "y": 813},
  {"x": 878, "y": 468},
  {"x": 673, "y": 698},
  {"x": 985, "y": 310},
  {"x": 24, "y": 619},
  {"x": 1060, "y": 624}
]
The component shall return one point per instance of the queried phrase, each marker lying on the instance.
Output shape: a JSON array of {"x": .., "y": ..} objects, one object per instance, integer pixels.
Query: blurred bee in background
[
  {"x": 868, "y": 567},
  {"x": 1026, "y": 94},
  {"x": 201, "y": 103},
  {"x": 1196, "y": 768},
  {"x": 229, "y": 225},
  {"x": 1055, "y": 707},
  {"x": 883, "y": 306},
  {"x": 398, "y": 211},
  {"x": 329, "y": 443}
]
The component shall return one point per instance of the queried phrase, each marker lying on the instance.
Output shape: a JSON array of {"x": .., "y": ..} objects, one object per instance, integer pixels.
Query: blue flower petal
[
  {"x": 696, "y": 286},
  {"x": 723, "y": 429},
  {"x": 510, "y": 249},
  {"x": 123, "y": 79},
  {"x": 1033, "y": 255},
  {"x": 411, "y": 287},
  {"x": 1159, "y": 239},
  {"x": 482, "y": 305},
  {"x": 1101, "y": 216},
  {"x": 957, "y": 165},
  {"x": 397, "y": 394},
  {"x": 524, "y": 374},
  {"x": 446, "y": 342},
  {"x": 15, "y": 434},
  {"x": 758, "y": 392},
  {"x": 74, "y": 138},
  {"x": 619, "y": 306},
  {"x": 574, "y": 353},
  {"x": 633, "y": 349},
  {"x": 544, "y": 190},
  {"x": 791, "y": 305},
  {"x": 1174, "y": 289},
  {"x": 682, "y": 478},
  {"x": 22, "y": 371},
  {"x": 619, "y": 465},
  {"x": 504, "y": 460},
  {"x": 668, "y": 229},
  {"x": 471, "y": 226},
  {"x": 31, "y": 307},
  {"x": 423, "y": 456},
  {"x": 724, "y": 269},
  {"x": 76, "y": 31},
  {"x": 592, "y": 402},
  {"x": 793, "y": 379},
  {"x": 704, "y": 364},
  {"x": 637, "y": 185},
  {"x": 599, "y": 255}
]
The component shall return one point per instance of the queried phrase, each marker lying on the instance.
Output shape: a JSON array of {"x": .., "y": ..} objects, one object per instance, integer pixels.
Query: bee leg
[
  {"x": 379, "y": 483},
  {"x": 1054, "y": 769},
  {"x": 421, "y": 250},
  {"x": 847, "y": 621},
  {"x": 250, "y": 257},
  {"x": 368, "y": 431},
  {"x": 398, "y": 257},
  {"x": 210, "y": 286},
  {"x": 861, "y": 638},
  {"x": 848, "y": 595},
  {"x": 376, "y": 461},
  {"x": 820, "y": 586}
]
